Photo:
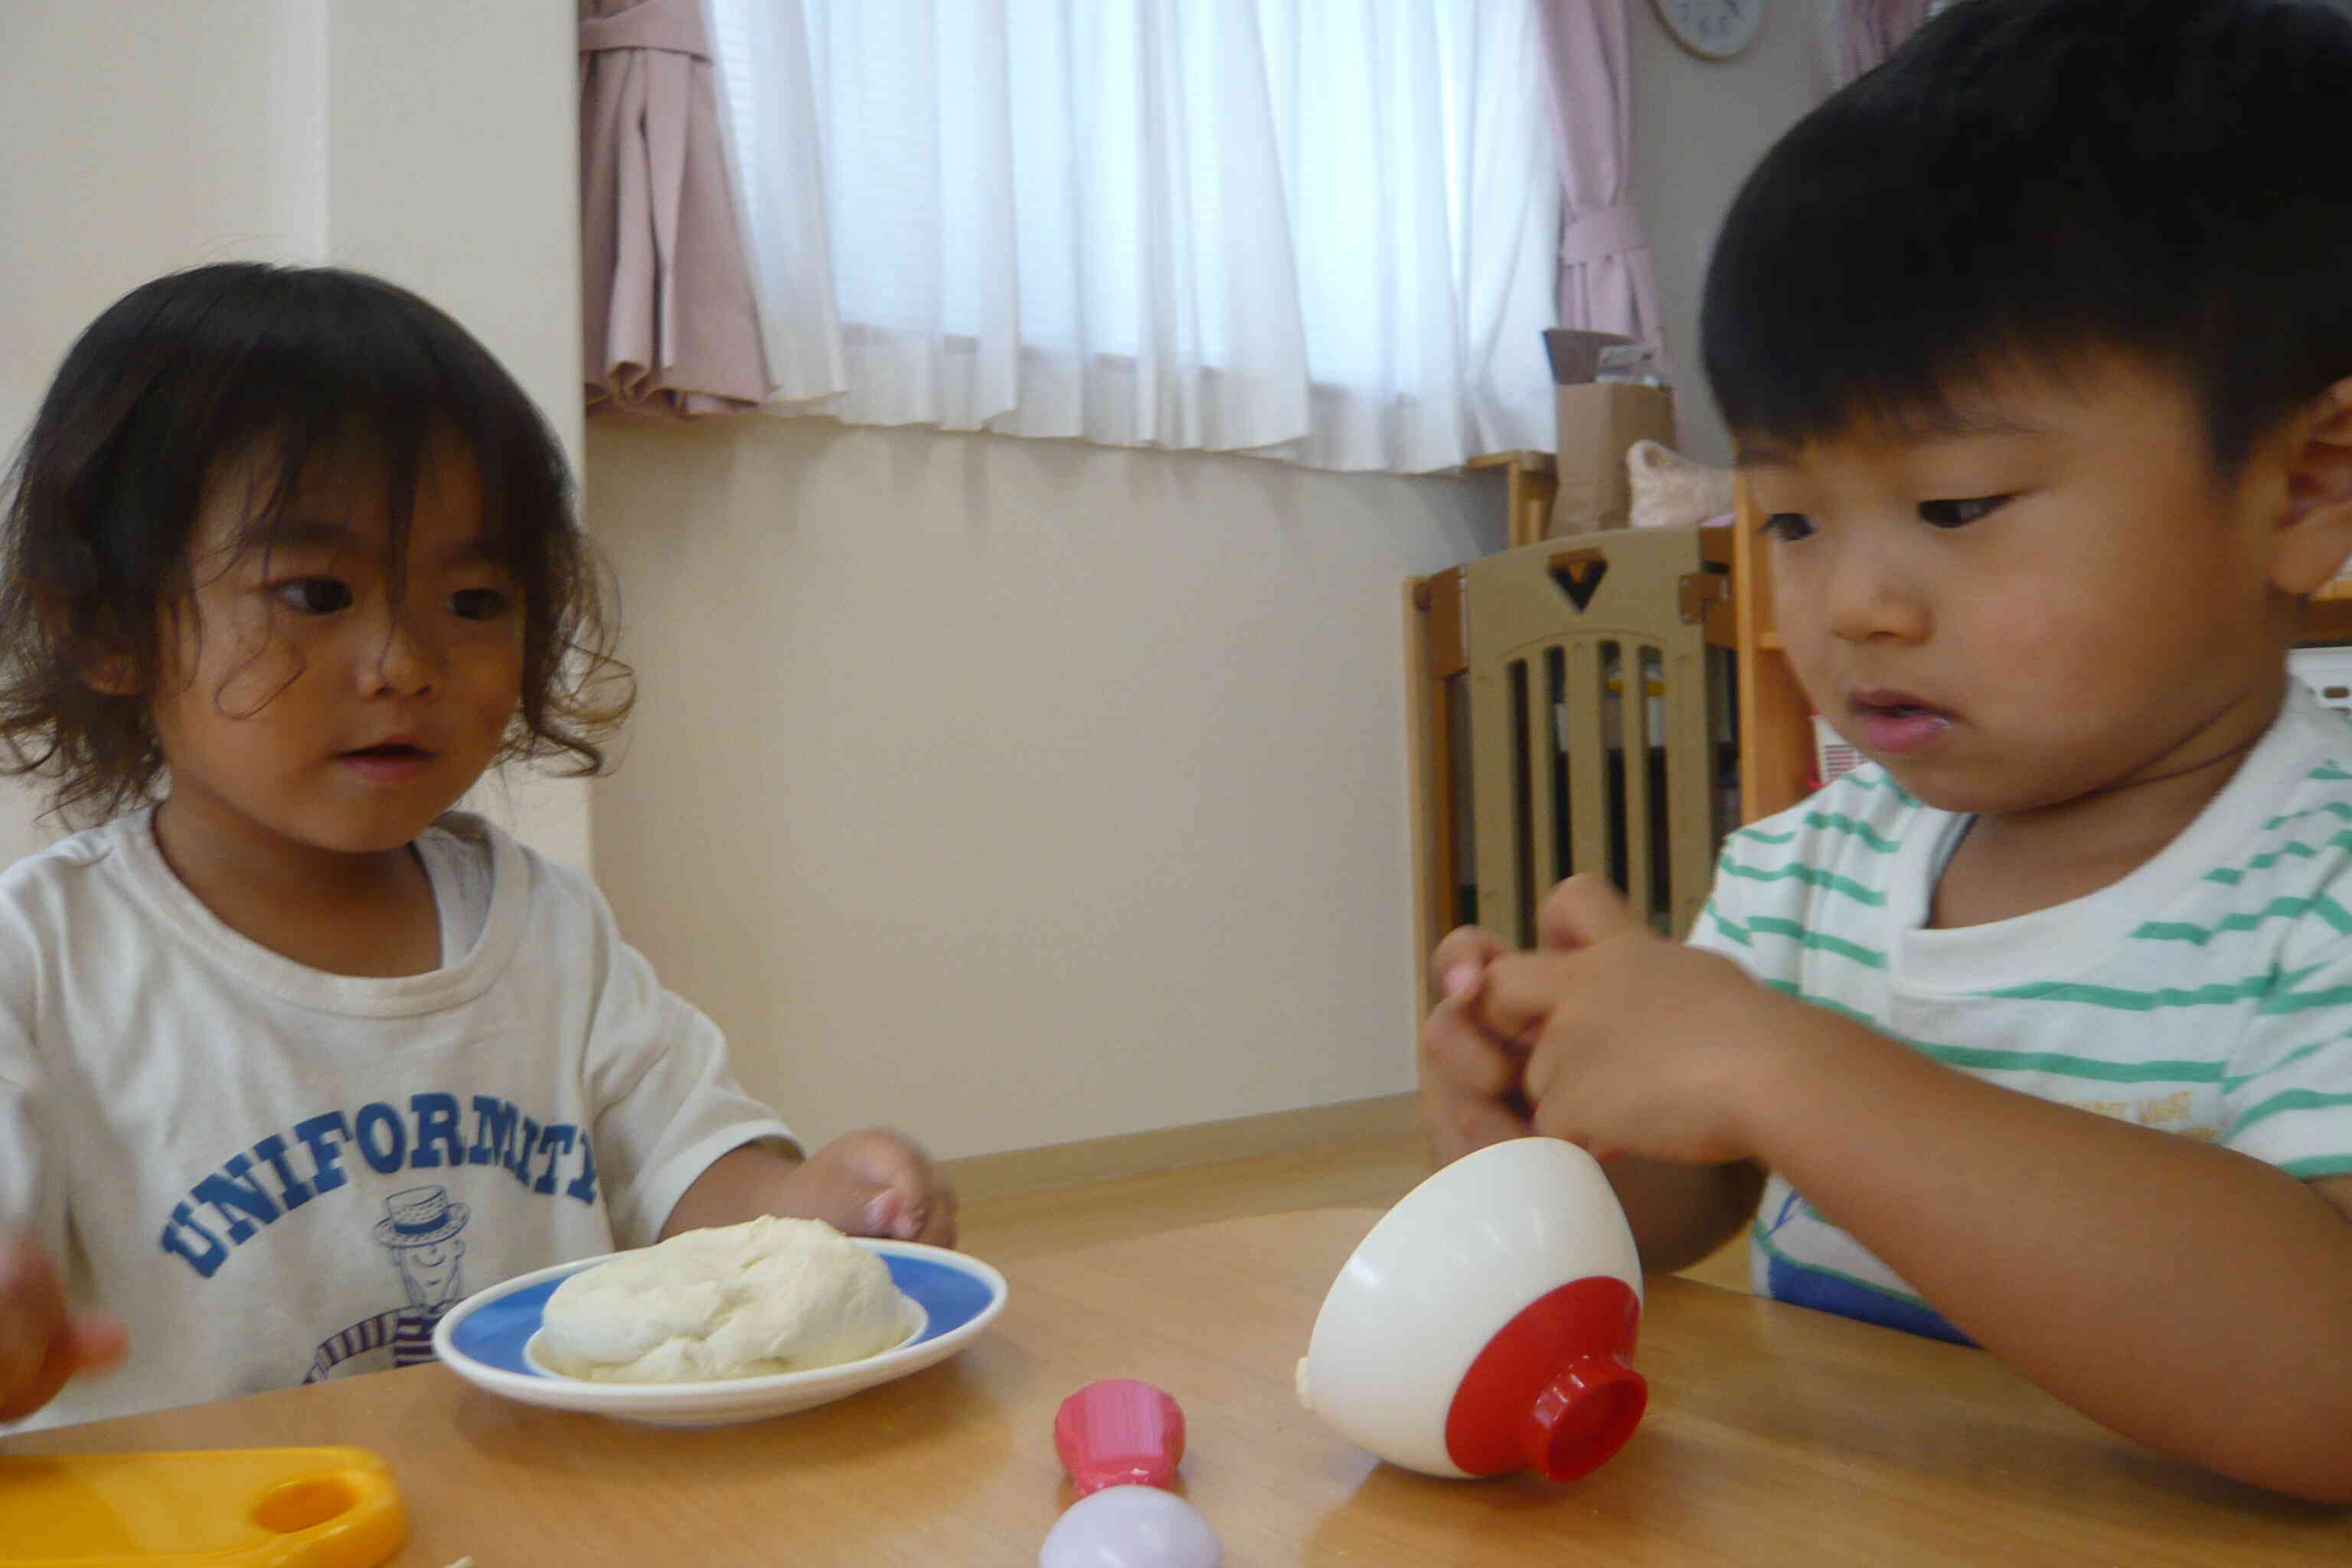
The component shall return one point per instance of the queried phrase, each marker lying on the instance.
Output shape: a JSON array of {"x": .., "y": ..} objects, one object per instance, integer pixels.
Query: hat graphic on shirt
[{"x": 419, "y": 1217}]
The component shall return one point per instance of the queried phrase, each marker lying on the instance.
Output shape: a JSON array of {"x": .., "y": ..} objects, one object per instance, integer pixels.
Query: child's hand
[
  {"x": 1474, "y": 1088},
  {"x": 41, "y": 1345},
  {"x": 877, "y": 1183},
  {"x": 1635, "y": 1043},
  {"x": 1471, "y": 1089}
]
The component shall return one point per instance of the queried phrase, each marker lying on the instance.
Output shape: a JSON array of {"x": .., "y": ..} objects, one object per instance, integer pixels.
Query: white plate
[{"x": 484, "y": 1340}]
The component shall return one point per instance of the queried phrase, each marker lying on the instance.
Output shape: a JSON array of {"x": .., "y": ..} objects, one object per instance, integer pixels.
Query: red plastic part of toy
[
  {"x": 1554, "y": 1390},
  {"x": 1119, "y": 1433}
]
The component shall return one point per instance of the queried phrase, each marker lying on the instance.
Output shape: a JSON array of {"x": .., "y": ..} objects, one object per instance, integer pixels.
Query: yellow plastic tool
[{"x": 229, "y": 1508}]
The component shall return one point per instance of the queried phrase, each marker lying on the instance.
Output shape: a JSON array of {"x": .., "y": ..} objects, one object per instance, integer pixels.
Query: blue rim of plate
[{"x": 953, "y": 1290}]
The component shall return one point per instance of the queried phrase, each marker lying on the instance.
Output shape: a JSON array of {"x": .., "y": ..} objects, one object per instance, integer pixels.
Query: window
[{"x": 1323, "y": 230}]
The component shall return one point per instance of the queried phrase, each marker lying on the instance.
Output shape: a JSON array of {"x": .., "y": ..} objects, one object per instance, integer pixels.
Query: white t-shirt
[
  {"x": 275, "y": 1174},
  {"x": 2207, "y": 994}
]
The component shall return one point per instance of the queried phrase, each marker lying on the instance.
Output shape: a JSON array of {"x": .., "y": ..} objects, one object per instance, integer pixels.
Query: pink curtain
[
  {"x": 670, "y": 326},
  {"x": 1870, "y": 30},
  {"x": 1605, "y": 280}
]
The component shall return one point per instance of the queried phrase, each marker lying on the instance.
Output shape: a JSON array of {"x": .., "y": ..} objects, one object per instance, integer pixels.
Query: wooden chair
[{"x": 1572, "y": 715}]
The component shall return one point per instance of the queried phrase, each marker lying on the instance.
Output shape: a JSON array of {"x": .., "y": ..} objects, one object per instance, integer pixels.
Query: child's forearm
[
  {"x": 2184, "y": 1295},
  {"x": 1682, "y": 1213},
  {"x": 741, "y": 1184},
  {"x": 874, "y": 1181}
]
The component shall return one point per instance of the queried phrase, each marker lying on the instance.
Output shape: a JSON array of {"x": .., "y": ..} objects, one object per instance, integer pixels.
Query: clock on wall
[{"x": 1717, "y": 29}]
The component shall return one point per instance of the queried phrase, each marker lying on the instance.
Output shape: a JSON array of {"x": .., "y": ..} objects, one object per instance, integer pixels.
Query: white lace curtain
[{"x": 1316, "y": 229}]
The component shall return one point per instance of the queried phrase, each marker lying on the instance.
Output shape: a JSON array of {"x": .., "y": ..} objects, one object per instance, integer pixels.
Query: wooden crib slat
[
  {"x": 1588, "y": 760},
  {"x": 1542, "y": 806},
  {"x": 1633, "y": 736},
  {"x": 1502, "y": 888}
]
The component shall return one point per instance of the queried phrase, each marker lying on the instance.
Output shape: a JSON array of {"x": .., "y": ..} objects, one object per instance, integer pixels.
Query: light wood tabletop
[{"x": 1774, "y": 1435}]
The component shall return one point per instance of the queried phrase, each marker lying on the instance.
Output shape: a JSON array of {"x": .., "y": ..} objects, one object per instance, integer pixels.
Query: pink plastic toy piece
[{"x": 1119, "y": 1433}]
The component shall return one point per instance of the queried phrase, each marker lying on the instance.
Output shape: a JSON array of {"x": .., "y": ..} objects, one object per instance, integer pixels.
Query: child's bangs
[
  {"x": 305, "y": 475},
  {"x": 1912, "y": 323},
  {"x": 374, "y": 404},
  {"x": 1795, "y": 376},
  {"x": 1850, "y": 288}
]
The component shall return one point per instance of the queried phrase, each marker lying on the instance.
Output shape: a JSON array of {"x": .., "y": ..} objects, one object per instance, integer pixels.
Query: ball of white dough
[{"x": 740, "y": 1300}]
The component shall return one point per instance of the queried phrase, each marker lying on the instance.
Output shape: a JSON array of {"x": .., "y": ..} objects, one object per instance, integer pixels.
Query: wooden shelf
[{"x": 1530, "y": 480}]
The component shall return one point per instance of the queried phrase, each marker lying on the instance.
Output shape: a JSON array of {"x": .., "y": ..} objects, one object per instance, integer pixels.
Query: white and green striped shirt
[{"x": 2208, "y": 993}]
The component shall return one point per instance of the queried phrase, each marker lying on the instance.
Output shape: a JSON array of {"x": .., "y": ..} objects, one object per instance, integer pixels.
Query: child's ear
[
  {"x": 2315, "y": 534},
  {"x": 109, "y": 673},
  {"x": 100, "y": 660}
]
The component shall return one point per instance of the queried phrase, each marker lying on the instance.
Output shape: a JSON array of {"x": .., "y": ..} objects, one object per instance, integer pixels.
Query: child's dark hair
[
  {"x": 2029, "y": 181},
  {"x": 291, "y": 368}
]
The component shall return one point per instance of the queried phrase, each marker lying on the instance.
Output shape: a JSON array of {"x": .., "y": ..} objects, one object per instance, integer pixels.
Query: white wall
[
  {"x": 430, "y": 141},
  {"x": 1699, "y": 126},
  {"x": 1019, "y": 792},
  {"x": 116, "y": 173}
]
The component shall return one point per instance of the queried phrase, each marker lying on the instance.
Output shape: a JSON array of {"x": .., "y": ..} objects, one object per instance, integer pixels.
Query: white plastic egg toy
[{"x": 1131, "y": 1527}]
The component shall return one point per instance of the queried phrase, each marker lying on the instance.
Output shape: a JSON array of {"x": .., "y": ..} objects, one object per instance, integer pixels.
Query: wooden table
[{"x": 1774, "y": 1435}]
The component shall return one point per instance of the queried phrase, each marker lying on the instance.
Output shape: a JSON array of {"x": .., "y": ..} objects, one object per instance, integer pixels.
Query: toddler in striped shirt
[{"x": 2036, "y": 1031}]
